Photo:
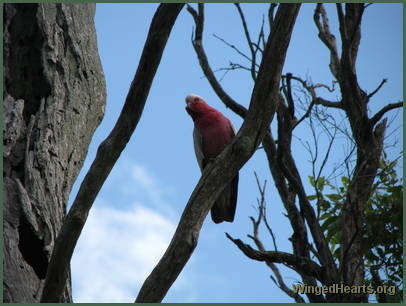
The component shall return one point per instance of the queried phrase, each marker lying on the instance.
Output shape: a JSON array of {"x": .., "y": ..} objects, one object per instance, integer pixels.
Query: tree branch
[
  {"x": 312, "y": 91},
  {"x": 215, "y": 177},
  {"x": 327, "y": 38},
  {"x": 249, "y": 41},
  {"x": 374, "y": 120},
  {"x": 204, "y": 63},
  {"x": 255, "y": 228},
  {"x": 327, "y": 103},
  {"x": 302, "y": 265},
  {"x": 377, "y": 89},
  {"x": 109, "y": 151},
  {"x": 271, "y": 10}
]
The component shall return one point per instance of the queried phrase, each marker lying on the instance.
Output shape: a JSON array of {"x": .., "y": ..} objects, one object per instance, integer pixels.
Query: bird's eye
[{"x": 196, "y": 100}]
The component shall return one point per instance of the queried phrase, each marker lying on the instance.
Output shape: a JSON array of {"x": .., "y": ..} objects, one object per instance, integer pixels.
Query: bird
[{"x": 211, "y": 134}]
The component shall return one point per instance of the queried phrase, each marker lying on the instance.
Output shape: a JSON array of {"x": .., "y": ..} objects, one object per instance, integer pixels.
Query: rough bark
[{"x": 54, "y": 98}]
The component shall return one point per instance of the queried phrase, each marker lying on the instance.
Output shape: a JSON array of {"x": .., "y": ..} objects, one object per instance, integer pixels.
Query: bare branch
[
  {"x": 271, "y": 11},
  {"x": 302, "y": 265},
  {"x": 320, "y": 85},
  {"x": 249, "y": 41},
  {"x": 327, "y": 38},
  {"x": 233, "y": 47},
  {"x": 261, "y": 38},
  {"x": 204, "y": 63},
  {"x": 377, "y": 89},
  {"x": 281, "y": 284},
  {"x": 109, "y": 151},
  {"x": 312, "y": 92},
  {"x": 232, "y": 66},
  {"x": 268, "y": 227},
  {"x": 291, "y": 173},
  {"x": 374, "y": 120},
  {"x": 255, "y": 223},
  {"x": 291, "y": 104},
  {"x": 327, "y": 103},
  {"x": 341, "y": 19},
  {"x": 306, "y": 115}
]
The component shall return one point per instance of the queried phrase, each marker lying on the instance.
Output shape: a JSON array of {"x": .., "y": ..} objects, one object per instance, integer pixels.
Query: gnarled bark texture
[{"x": 54, "y": 98}]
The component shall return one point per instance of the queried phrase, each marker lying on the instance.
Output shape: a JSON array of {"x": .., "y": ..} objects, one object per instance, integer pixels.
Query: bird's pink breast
[{"x": 216, "y": 133}]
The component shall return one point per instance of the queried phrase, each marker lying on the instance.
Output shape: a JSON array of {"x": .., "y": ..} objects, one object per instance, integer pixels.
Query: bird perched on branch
[{"x": 212, "y": 132}]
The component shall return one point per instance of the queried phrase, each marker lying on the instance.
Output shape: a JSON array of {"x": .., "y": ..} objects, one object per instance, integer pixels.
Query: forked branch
[{"x": 302, "y": 265}]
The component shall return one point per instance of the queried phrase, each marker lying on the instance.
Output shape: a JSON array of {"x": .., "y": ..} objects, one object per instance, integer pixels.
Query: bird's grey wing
[
  {"x": 225, "y": 205},
  {"x": 198, "y": 144}
]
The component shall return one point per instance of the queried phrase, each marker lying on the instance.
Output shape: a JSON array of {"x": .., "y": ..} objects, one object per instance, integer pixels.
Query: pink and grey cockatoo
[{"x": 212, "y": 132}]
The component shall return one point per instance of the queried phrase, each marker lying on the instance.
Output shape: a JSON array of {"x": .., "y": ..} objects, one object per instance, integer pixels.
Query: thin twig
[
  {"x": 204, "y": 63},
  {"x": 233, "y": 47},
  {"x": 249, "y": 41},
  {"x": 377, "y": 89}
]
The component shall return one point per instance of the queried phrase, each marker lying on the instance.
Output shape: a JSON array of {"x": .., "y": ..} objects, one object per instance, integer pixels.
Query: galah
[{"x": 212, "y": 132}]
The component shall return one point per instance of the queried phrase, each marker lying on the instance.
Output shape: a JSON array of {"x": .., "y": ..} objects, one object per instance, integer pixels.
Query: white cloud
[
  {"x": 116, "y": 252},
  {"x": 119, "y": 246}
]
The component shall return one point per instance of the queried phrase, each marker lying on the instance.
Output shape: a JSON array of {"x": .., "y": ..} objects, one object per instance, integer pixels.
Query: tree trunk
[{"x": 54, "y": 98}]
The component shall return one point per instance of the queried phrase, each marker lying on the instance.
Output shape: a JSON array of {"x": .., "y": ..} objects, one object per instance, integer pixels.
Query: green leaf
[
  {"x": 321, "y": 183},
  {"x": 344, "y": 180},
  {"x": 311, "y": 180},
  {"x": 334, "y": 197},
  {"x": 328, "y": 222},
  {"x": 312, "y": 197}
]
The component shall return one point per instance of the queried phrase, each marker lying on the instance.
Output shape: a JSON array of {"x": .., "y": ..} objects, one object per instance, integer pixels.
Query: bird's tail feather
[{"x": 224, "y": 208}]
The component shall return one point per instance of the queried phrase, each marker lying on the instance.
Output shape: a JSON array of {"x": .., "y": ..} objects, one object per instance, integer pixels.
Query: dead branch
[
  {"x": 292, "y": 175},
  {"x": 302, "y": 265},
  {"x": 377, "y": 89},
  {"x": 255, "y": 237},
  {"x": 249, "y": 41},
  {"x": 262, "y": 107},
  {"x": 232, "y": 47},
  {"x": 378, "y": 116},
  {"x": 204, "y": 63},
  {"x": 271, "y": 12},
  {"x": 109, "y": 151},
  {"x": 327, "y": 38}
]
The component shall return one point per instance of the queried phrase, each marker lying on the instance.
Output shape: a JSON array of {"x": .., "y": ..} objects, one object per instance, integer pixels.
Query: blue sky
[{"x": 139, "y": 206}]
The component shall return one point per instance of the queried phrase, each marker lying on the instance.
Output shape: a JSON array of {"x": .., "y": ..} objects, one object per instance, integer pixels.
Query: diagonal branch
[
  {"x": 374, "y": 120},
  {"x": 109, "y": 151},
  {"x": 225, "y": 166},
  {"x": 302, "y": 265},
  {"x": 233, "y": 47},
  {"x": 377, "y": 89}
]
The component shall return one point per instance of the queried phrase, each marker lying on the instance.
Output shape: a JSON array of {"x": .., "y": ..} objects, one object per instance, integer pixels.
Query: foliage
[{"x": 382, "y": 232}]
